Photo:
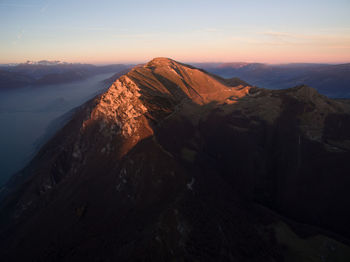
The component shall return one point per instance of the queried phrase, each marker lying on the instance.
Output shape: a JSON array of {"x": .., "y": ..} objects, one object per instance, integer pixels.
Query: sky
[{"x": 133, "y": 31}]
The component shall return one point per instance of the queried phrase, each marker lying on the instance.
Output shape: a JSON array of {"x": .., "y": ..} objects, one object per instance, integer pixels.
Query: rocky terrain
[{"x": 175, "y": 164}]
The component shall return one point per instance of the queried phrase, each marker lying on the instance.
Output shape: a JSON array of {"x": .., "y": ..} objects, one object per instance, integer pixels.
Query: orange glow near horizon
[
  {"x": 263, "y": 55},
  {"x": 198, "y": 45}
]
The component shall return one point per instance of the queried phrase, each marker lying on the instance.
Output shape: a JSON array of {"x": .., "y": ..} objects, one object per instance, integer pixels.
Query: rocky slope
[{"x": 172, "y": 163}]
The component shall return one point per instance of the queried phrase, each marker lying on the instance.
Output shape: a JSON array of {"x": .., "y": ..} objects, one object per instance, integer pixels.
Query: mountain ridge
[
  {"x": 328, "y": 79},
  {"x": 170, "y": 162}
]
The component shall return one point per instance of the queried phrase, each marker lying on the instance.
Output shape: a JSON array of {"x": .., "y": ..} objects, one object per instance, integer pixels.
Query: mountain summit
[{"x": 174, "y": 163}]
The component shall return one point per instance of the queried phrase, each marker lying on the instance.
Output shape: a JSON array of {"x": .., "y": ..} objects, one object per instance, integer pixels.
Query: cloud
[
  {"x": 132, "y": 36},
  {"x": 210, "y": 30},
  {"x": 18, "y": 37},
  {"x": 77, "y": 28},
  {"x": 43, "y": 9},
  {"x": 245, "y": 39},
  {"x": 277, "y": 34},
  {"x": 20, "y": 34},
  {"x": 285, "y": 38},
  {"x": 332, "y": 40},
  {"x": 98, "y": 28},
  {"x": 339, "y": 46}
]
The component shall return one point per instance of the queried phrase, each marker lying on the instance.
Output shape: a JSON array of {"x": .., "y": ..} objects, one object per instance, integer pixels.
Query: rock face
[{"x": 172, "y": 163}]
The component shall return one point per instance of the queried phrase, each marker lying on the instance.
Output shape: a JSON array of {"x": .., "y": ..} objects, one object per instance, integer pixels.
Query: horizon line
[{"x": 137, "y": 62}]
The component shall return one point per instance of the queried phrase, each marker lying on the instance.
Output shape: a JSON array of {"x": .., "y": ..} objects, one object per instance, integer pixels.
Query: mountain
[
  {"x": 174, "y": 164},
  {"x": 330, "y": 80},
  {"x": 14, "y": 79},
  {"x": 47, "y": 73}
]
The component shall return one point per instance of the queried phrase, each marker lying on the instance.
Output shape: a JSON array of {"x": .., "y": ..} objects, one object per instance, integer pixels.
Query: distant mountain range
[
  {"x": 48, "y": 63},
  {"x": 46, "y": 73},
  {"x": 175, "y": 164},
  {"x": 330, "y": 80}
]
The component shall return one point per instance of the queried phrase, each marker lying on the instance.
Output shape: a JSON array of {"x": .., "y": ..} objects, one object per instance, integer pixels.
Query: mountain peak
[
  {"x": 183, "y": 81},
  {"x": 160, "y": 61},
  {"x": 306, "y": 92}
]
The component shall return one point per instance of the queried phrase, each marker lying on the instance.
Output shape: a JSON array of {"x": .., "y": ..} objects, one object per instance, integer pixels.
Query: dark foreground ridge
[{"x": 174, "y": 164}]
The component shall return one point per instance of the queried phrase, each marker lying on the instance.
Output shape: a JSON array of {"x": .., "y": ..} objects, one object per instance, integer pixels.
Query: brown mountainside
[{"x": 172, "y": 163}]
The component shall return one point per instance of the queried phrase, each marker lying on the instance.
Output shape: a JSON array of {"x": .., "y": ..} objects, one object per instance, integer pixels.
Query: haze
[
  {"x": 31, "y": 115},
  {"x": 192, "y": 30}
]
